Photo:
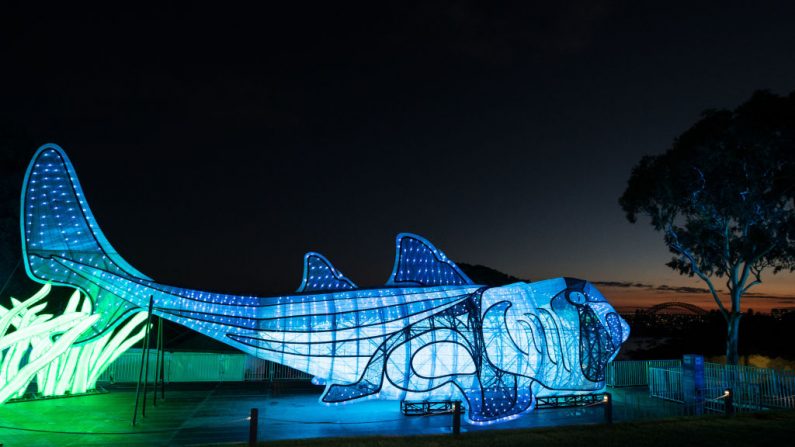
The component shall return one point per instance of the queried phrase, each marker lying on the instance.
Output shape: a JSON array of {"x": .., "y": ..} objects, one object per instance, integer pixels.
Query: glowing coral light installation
[
  {"x": 41, "y": 347},
  {"x": 430, "y": 333}
]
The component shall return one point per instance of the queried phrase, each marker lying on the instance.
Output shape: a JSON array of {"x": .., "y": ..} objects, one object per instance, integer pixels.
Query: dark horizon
[{"x": 216, "y": 148}]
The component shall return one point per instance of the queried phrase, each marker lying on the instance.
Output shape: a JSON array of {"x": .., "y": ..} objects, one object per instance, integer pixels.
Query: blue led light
[
  {"x": 320, "y": 275},
  {"x": 429, "y": 334}
]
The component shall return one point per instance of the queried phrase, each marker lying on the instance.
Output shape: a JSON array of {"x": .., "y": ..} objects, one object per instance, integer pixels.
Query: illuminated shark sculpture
[{"x": 429, "y": 334}]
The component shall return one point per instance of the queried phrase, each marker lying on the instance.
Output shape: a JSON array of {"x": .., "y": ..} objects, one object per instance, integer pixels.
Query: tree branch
[
  {"x": 757, "y": 279},
  {"x": 754, "y": 268},
  {"x": 730, "y": 270},
  {"x": 694, "y": 267}
]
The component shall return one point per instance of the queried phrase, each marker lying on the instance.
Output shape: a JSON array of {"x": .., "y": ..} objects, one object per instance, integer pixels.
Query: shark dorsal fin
[
  {"x": 321, "y": 276},
  {"x": 418, "y": 262}
]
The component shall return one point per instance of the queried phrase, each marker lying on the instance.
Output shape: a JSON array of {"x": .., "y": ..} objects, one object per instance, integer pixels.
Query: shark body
[{"x": 430, "y": 333}]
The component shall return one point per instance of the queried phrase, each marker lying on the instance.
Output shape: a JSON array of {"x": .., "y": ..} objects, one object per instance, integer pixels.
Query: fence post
[
  {"x": 252, "y": 427},
  {"x": 728, "y": 402},
  {"x": 610, "y": 374},
  {"x": 608, "y": 404},
  {"x": 457, "y": 417}
]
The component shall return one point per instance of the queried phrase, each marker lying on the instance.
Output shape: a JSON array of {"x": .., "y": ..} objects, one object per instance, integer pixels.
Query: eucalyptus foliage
[{"x": 722, "y": 195}]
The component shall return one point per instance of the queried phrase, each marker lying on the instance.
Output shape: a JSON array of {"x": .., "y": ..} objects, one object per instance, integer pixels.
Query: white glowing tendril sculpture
[{"x": 41, "y": 347}]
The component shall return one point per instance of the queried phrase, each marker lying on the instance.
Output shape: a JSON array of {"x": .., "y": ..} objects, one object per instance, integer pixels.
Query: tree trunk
[{"x": 732, "y": 338}]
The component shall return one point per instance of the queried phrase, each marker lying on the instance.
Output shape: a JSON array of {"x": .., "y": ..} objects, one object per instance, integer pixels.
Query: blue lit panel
[
  {"x": 418, "y": 262},
  {"x": 320, "y": 275},
  {"x": 430, "y": 333}
]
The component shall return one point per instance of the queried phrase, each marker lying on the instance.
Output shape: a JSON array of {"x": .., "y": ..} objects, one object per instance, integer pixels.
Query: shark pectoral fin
[
  {"x": 321, "y": 276},
  {"x": 418, "y": 262},
  {"x": 369, "y": 383},
  {"x": 336, "y": 393},
  {"x": 499, "y": 397}
]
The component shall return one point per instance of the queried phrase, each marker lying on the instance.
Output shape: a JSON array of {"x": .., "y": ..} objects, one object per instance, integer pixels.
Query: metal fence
[
  {"x": 666, "y": 383},
  {"x": 201, "y": 367},
  {"x": 263, "y": 370},
  {"x": 126, "y": 367},
  {"x": 634, "y": 372},
  {"x": 753, "y": 388}
]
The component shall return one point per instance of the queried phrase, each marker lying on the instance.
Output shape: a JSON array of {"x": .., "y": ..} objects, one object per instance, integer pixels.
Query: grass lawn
[{"x": 763, "y": 429}]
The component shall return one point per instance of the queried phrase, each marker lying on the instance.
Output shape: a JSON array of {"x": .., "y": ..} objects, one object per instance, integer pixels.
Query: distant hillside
[{"x": 487, "y": 276}]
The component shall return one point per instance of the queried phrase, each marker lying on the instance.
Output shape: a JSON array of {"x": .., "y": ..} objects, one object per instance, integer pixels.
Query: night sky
[{"x": 217, "y": 146}]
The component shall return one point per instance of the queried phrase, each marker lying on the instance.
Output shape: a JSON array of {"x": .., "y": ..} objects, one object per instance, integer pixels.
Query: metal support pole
[
  {"x": 253, "y": 420},
  {"x": 728, "y": 402},
  {"x": 157, "y": 359},
  {"x": 608, "y": 403},
  {"x": 141, "y": 368},
  {"x": 457, "y": 417},
  {"x": 146, "y": 353}
]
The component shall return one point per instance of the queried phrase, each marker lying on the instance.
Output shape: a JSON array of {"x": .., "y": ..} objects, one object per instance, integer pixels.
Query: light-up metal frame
[{"x": 430, "y": 333}]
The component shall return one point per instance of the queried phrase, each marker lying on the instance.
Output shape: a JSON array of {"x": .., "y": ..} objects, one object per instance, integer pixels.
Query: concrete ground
[{"x": 200, "y": 414}]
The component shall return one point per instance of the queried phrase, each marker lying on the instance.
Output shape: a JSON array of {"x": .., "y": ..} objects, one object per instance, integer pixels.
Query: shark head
[{"x": 561, "y": 333}]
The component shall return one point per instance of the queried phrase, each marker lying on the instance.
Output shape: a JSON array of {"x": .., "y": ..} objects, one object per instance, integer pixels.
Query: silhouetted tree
[{"x": 723, "y": 196}]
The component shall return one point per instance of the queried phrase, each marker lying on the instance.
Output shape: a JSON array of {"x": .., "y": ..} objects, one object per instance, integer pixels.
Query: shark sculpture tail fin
[{"x": 60, "y": 234}]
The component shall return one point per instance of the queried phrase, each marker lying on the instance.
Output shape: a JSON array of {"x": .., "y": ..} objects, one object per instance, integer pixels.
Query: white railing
[
  {"x": 264, "y": 370},
  {"x": 753, "y": 388},
  {"x": 666, "y": 383},
  {"x": 634, "y": 372},
  {"x": 126, "y": 368},
  {"x": 200, "y": 367}
]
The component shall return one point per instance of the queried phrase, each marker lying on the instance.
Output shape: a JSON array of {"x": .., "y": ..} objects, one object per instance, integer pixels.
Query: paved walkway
[{"x": 199, "y": 414}]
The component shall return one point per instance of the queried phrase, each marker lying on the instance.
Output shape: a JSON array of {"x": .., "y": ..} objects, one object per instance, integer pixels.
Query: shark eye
[{"x": 576, "y": 298}]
